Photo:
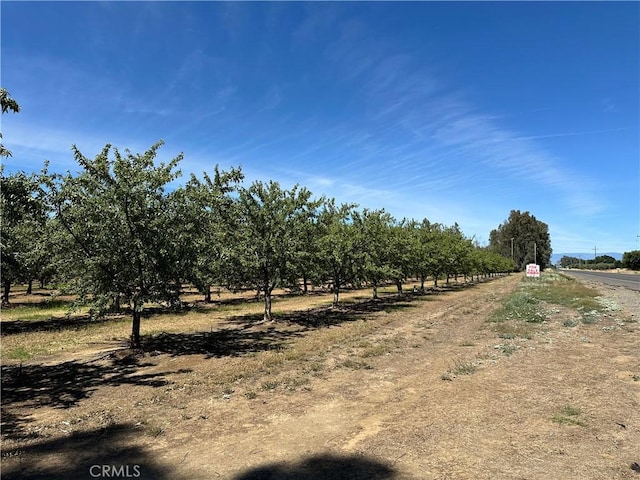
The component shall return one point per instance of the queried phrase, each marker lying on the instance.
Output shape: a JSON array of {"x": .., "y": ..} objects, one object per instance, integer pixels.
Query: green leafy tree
[
  {"x": 605, "y": 259},
  {"x": 427, "y": 252},
  {"x": 207, "y": 218},
  {"x": 269, "y": 242},
  {"x": 437, "y": 253},
  {"x": 374, "y": 227},
  {"x": 339, "y": 248},
  {"x": 631, "y": 259},
  {"x": 306, "y": 265},
  {"x": 570, "y": 262},
  {"x": 118, "y": 235},
  {"x": 24, "y": 214},
  {"x": 400, "y": 252},
  {"x": 487, "y": 262},
  {"x": 529, "y": 237},
  {"x": 457, "y": 250},
  {"x": 7, "y": 104}
]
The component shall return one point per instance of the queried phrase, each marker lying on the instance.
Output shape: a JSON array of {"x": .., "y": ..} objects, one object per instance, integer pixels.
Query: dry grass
[{"x": 112, "y": 331}]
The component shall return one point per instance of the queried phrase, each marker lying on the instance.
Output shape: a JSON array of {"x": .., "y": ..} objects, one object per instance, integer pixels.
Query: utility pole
[
  {"x": 595, "y": 252},
  {"x": 535, "y": 253}
]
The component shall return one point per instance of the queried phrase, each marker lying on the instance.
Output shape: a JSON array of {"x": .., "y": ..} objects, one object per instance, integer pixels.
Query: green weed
[
  {"x": 19, "y": 353},
  {"x": 356, "y": 365},
  {"x": 374, "y": 351},
  {"x": 568, "y": 415},
  {"x": 269, "y": 385}
]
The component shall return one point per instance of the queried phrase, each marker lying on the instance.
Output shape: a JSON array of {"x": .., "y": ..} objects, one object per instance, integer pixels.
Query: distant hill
[{"x": 555, "y": 257}]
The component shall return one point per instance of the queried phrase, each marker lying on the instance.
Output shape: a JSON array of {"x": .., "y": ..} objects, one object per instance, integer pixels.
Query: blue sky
[{"x": 457, "y": 112}]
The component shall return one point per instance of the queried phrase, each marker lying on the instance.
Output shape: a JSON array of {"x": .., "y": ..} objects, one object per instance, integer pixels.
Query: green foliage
[
  {"x": 570, "y": 262},
  {"x": 7, "y": 103},
  {"x": 24, "y": 220},
  {"x": 521, "y": 305},
  {"x": 207, "y": 217},
  {"x": 518, "y": 234},
  {"x": 566, "y": 291},
  {"x": 380, "y": 253},
  {"x": 602, "y": 262},
  {"x": 339, "y": 247},
  {"x": 631, "y": 260},
  {"x": 268, "y": 239},
  {"x": 117, "y": 234},
  {"x": 569, "y": 415}
]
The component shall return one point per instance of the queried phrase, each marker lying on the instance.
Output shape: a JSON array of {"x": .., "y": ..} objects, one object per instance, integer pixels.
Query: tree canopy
[
  {"x": 631, "y": 259},
  {"x": 23, "y": 219},
  {"x": 120, "y": 240},
  {"x": 523, "y": 238},
  {"x": 269, "y": 238},
  {"x": 7, "y": 104}
]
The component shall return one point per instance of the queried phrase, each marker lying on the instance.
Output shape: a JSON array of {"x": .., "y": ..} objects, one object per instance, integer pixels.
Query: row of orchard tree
[{"x": 122, "y": 230}]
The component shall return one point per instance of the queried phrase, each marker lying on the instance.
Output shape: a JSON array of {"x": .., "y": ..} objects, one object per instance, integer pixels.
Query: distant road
[{"x": 631, "y": 282}]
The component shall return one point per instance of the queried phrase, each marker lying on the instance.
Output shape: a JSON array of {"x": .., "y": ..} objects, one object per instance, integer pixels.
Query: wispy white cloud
[{"x": 573, "y": 134}]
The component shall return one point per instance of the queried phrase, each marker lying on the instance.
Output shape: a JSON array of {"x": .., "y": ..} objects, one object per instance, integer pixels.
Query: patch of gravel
[{"x": 617, "y": 299}]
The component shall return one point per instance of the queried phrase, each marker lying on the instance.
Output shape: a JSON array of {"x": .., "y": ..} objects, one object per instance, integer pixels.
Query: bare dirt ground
[{"x": 420, "y": 387}]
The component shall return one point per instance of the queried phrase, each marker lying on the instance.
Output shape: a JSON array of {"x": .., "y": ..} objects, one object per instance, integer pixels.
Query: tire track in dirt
[{"x": 458, "y": 320}]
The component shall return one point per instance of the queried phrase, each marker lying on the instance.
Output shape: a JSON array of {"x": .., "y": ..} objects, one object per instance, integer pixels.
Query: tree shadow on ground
[
  {"x": 57, "y": 324},
  {"x": 50, "y": 302},
  {"x": 230, "y": 342},
  {"x": 73, "y": 322},
  {"x": 64, "y": 385},
  {"x": 249, "y": 335},
  {"x": 203, "y": 306},
  {"x": 323, "y": 467},
  {"x": 326, "y": 316},
  {"x": 84, "y": 455}
]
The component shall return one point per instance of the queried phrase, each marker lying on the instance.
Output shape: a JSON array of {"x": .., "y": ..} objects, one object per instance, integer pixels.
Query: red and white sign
[{"x": 533, "y": 270}]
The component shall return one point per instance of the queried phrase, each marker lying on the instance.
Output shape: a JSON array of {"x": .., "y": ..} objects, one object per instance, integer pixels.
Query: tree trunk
[
  {"x": 375, "y": 290},
  {"x": 116, "y": 302},
  {"x": 435, "y": 280},
  {"x": 336, "y": 291},
  {"x": 135, "y": 327},
  {"x": 422, "y": 283},
  {"x": 304, "y": 283},
  {"x": 399, "y": 285},
  {"x": 267, "y": 305},
  {"x": 30, "y": 287},
  {"x": 207, "y": 294},
  {"x": 5, "y": 292},
  {"x": 41, "y": 283}
]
